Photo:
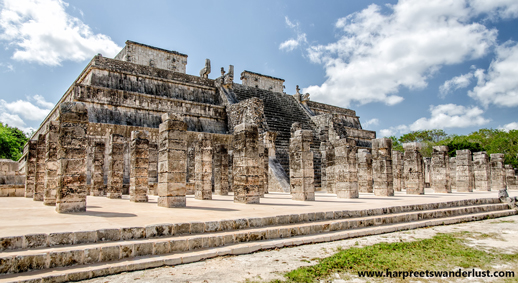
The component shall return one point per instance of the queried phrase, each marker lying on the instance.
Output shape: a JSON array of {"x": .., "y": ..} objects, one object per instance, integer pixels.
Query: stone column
[
  {"x": 397, "y": 170},
  {"x": 221, "y": 170},
  {"x": 346, "y": 177},
  {"x": 330, "y": 167},
  {"x": 172, "y": 161},
  {"x": 498, "y": 172},
  {"x": 72, "y": 144},
  {"x": 453, "y": 173},
  {"x": 139, "y": 166},
  {"x": 481, "y": 171},
  {"x": 413, "y": 174},
  {"x": 115, "y": 166},
  {"x": 510, "y": 178},
  {"x": 427, "y": 172},
  {"x": 191, "y": 176},
  {"x": 382, "y": 167},
  {"x": 30, "y": 168},
  {"x": 440, "y": 170},
  {"x": 262, "y": 180},
  {"x": 153, "y": 169},
  {"x": 39, "y": 189},
  {"x": 465, "y": 178},
  {"x": 97, "y": 187},
  {"x": 364, "y": 171},
  {"x": 302, "y": 174},
  {"x": 246, "y": 164},
  {"x": 51, "y": 163},
  {"x": 203, "y": 168}
]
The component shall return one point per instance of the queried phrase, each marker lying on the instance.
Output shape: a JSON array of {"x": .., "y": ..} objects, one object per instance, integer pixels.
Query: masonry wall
[{"x": 151, "y": 56}]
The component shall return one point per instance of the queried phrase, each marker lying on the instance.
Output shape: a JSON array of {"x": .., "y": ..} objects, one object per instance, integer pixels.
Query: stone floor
[{"x": 21, "y": 216}]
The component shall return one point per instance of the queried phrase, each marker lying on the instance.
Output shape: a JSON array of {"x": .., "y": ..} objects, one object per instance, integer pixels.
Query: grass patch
[
  {"x": 442, "y": 252},
  {"x": 502, "y": 221}
]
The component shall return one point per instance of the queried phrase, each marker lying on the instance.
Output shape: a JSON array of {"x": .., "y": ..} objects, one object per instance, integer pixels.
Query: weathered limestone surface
[
  {"x": 30, "y": 168},
  {"x": 262, "y": 81},
  {"x": 345, "y": 169},
  {"x": 482, "y": 171},
  {"x": 72, "y": 144},
  {"x": 453, "y": 173},
  {"x": 139, "y": 166},
  {"x": 498, "y": 179},
  {"x": 364, "y": 171},
  {"x": 246, "y": 164},
  {"x": 115, "y": 166},
  {"x": 97, "y": 186},
  {"x": 203, "y": 168},
  {"x": 440, "y": 170},
  {"x": 153, "y": 168},
  {"x": 427, "y": 171},
  {"x": 465, "y": 177},
  {"x": 397, "y": 170},
  {"x": 330, "y": 167},
  {"x": 221, "y": 184},
  {"x": 301, "y": 166},
  {"x": 39, "y": 189},
  {"x": 382, "y": 167},
  {"x": 51, "y": 163},
  {"x": 512, "y": 183},
  {"x": 154, "y": 57},
  {"x": 172, "y": 162},
  {"x": 413, "y": 174}
]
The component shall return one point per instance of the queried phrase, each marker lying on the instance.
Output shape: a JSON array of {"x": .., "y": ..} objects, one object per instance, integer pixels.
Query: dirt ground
[{"x": 268, "y": 265}]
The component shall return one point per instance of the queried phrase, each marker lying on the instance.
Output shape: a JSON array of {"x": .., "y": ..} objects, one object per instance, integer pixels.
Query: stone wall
[
  {"x": 250, "y": 111},
  {"x": 9, "y": 174},
  {"x": 146, "y": 55},
  {"x": 252, "y": 79}
]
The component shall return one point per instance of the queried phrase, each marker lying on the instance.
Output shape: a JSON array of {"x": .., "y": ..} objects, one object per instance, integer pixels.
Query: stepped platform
[{"x": 39, "y": 245}]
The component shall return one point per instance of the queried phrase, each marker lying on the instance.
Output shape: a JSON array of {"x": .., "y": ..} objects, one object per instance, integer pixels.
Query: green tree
[{"x": 12, "y": 141}]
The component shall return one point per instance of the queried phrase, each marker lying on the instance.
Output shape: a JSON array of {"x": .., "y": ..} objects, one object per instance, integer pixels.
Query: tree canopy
[{"x": 12, "y": 141}]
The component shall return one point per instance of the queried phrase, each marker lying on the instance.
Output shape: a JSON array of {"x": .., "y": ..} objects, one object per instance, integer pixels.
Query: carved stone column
[
  {"x": 345, "y": 169},
  {"x": 30, "y": 168},
  {"x": 51, "y": 163},
  {"x": 98, "y": 188},
  {"x": 246, "y": 162},
  {"x": 510, "y": 177},
  {"x": 139, "y": 166},
  {"x": 330, "y": 167},
  {"x": 71, "y": 194},
  {"x": 498, "y": 181},
  {"x": 481, "y": 171},
  {"x": 453, "y": 173},
  {"x": 203, "y": 168},
  {"x": 382, "y": 167},
  {"x": 364, "y": 171},
  {"x": 397, "y": 170},
  {"x": 413, "y": 174},
  {"x": 221, "y": 184},
  {"x": 153, "y": 168},
  {"x": 115, "y": 166},
  {"x": 440, "y": 170},
  {"x": 302, "y": 185},
  {"x": 39, "y": 190},
  {"x": 465, "y": 177},
  {"x": 172, "y": 161}
]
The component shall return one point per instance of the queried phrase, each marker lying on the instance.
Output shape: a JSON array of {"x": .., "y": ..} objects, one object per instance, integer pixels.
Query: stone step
[{"x": 83, "y": 272}]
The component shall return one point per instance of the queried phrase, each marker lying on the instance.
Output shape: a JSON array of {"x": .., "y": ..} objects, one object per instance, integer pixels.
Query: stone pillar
[
  {"x": 364, "y": 171},
  {"x": 139, "y": 166},
  {"x": 397, "y": 170},
  {"x": 481, "y": 171},
  {"x": 330, "y": 167},
  {"x": 115, "y": 166},
  {"x": 510, "y": 178},
  {"x": 191, "y": 176},
  {"x": 465, "y": 178},
  {"x": 51, "y": 163},
  {"x": 39, "y": 189},
  {"x": 413, "y": 174},
  {"x": 427, "y": 171},
  {"x": 172, "y": 161},
  {"x": 498, "y": 172},
  {"x": 246, "y": 162},
  {"x": 153, "y": 169},
  {"x": 262, "y": 178},
  {"x": 302, "y": 186},
  {"x": 72, "y": 144},
  {"x": 453, "y": 173},
  {"x": 221, "y": 170},
  {"x": 382, "y": 167},
  {"x": 97, "y": 187},
  {"x": 30, "y": 168},
  {"x": 269, "y": 143},
  {"x": 346, "y": 172},
  {"x": 440, "y": 170},
  {"x": 203, "y": 168}
]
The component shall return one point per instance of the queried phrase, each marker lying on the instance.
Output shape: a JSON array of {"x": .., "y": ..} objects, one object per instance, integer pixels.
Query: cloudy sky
[{"x": 402, "y": 65}]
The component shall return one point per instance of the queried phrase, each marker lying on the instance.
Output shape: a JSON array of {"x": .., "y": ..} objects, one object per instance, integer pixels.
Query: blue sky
[{"x": 402, "y": 65}]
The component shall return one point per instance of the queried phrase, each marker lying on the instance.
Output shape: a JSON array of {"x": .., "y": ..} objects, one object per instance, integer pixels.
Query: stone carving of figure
[
  {"x": 305, "y": 97},
  {"x": 222, "y": 71},
  {"x": 204, "y": 73},
  {"x": 228, "y": 78},
  {"x": 297, "y": 95}
]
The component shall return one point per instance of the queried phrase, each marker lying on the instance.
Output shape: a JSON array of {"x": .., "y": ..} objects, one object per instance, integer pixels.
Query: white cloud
[
  {"x": 508, "y": 127},
  {"x": 41, "y": 31},
  {"x": 8, "y": 66},
  {"x": 40, "y": 100},
  {"x": 499, "y": 85},
  {"x": 373, "y": 121},
  {"x": 496, "y": 8},
  {"x": 442, "y": 117},
  {"x": 289, "y": 23},
  {"x": 455, "y": 83},
  {"x": 16, "y": 113},
  {"x": 292, "y": 43},
  {"x": 379, "y": 53}
]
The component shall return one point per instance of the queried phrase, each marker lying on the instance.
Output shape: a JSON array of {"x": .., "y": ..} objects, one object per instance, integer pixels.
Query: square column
[
  {"x": 221, "y": 184},
  {"x": 329, "y": 164},
  {"x": 39, "y": 189},
  {"x": 30, "y": 168},
  {"x": 302, "y": 174},
  {"x": 453, "y": 173},
  {"x": 97, "y": 187},
  {"x": 345, "y": 169},
  {"x": 72, "y": 144},
  {"x": 510, "y": 177},
  {"x": 440, "y": 170},
  {"x": 382, "y": 167},
  {"x": 498, "y": 181},
  {"x": 364, "y": 171},
  {"x": 115, "y": 166},
  {"x": 51, "y": 163},
  {"x": 427, "y": 171},
  {"x": 465, "y": 177},
  {"x": 413, "y": 172},
  {"x": 203, "y": 168},
  {"x": 139, "y": 166},
  {"x": 172, "y": 161},
  {"x": 246, "y": 162},
  {"x": 153, "y": 169},
  {"x": 481, "y": 171},
  {"x": 397, "y": 170}
]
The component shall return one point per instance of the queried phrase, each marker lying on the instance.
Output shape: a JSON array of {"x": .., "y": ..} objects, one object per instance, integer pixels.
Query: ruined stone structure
[
  {"x": 498, "y": 174},
  {"x": 98, "y": 188},
  {"x": 427, "y": 171},
  {"x": 397, "y": 170},
  {"x": 413, "y": 169},
  {"x": 139, "y": 164},
  {"x": 465, "y": 177},
  {"x": 51, "y": 164},
  {"x": 246, "y": 167},
  {"x": 346, "y": 173},
  {"x": 440, "y": 182},
  {"x": 364, "y": 171},
  {"x": 203, "y": 168},
  {"x": 115, "y": 166},
  {"x": 482, "y": 171},
  {"x": 510, "y": 178},
  {"x": 301, "y": 166},
  {"x": 453, "y": 173},
  {"x": 382, "y": 167}
]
